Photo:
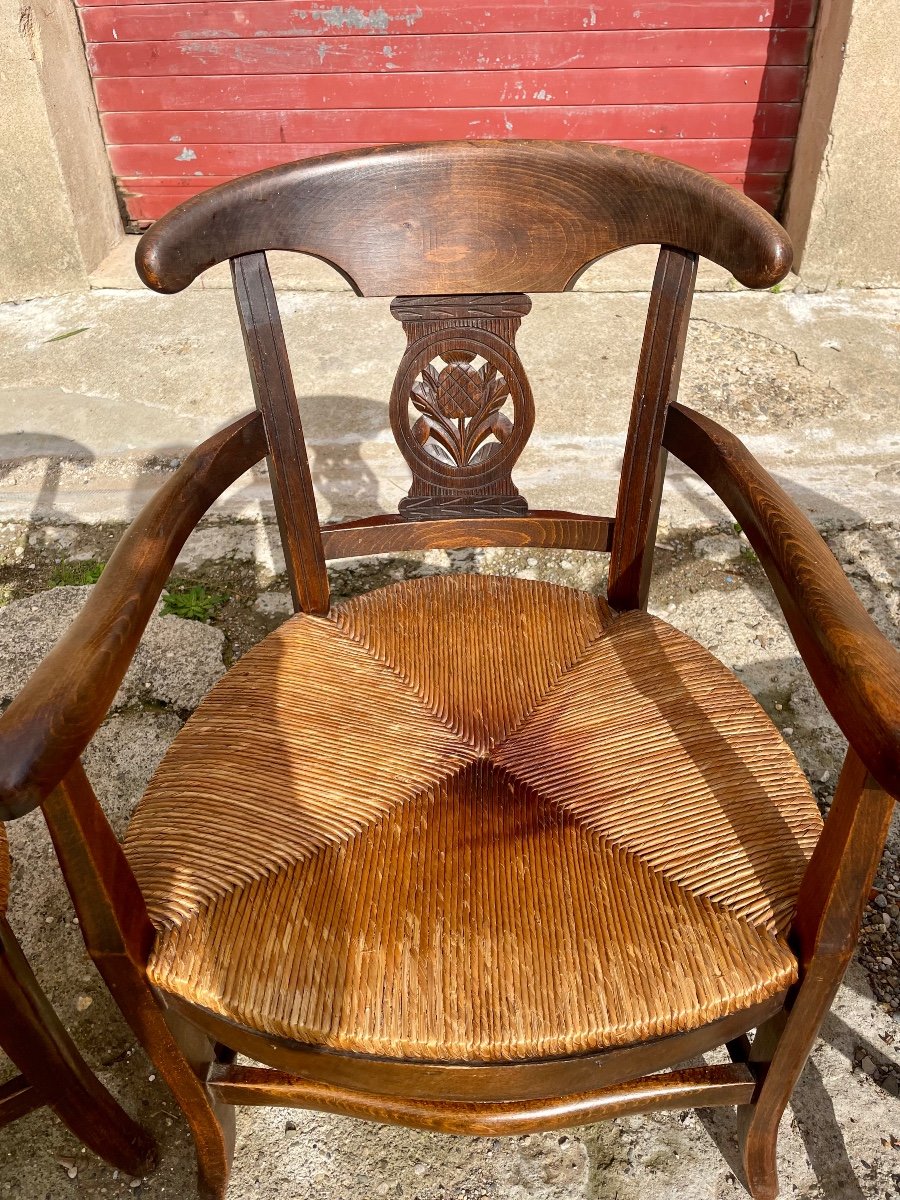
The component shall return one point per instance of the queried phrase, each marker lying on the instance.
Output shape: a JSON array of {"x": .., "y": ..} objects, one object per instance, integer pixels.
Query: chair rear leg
[{"x": 33, "y": 1036}]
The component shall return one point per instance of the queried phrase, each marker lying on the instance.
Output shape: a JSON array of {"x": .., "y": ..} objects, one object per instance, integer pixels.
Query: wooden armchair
[{"x": 472, "y": 854}]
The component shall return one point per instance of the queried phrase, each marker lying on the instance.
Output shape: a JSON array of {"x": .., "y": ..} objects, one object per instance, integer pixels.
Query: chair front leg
[
  {"x": 118, "y": 935},
  {"x": 830, "y": 908}
]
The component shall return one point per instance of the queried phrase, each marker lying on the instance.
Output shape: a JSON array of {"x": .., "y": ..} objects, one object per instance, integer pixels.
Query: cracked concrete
[{"x": 92, "y": 423}]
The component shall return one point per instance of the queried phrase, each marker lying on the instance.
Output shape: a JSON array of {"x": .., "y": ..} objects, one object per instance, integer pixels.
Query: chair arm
[
  {"x": 854, "y": 667},
  {"x": 59, "y": 709}
]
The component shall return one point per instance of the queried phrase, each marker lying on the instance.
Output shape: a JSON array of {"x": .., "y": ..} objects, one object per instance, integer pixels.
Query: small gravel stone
[{"x": 718, "y": 549}]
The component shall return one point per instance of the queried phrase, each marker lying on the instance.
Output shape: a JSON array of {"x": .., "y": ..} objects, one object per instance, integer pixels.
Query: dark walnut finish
[
  {"x": 644, "y": 463},
  {"x": 458, "y": 218},
  {"x": 561, "y": 782},
  {"x": 459, "y": 372}
]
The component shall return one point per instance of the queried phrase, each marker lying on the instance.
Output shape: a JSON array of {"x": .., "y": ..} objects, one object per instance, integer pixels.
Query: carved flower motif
[
  {"x": 460, "y": 406},
  {"x": 458, "y": 392}
]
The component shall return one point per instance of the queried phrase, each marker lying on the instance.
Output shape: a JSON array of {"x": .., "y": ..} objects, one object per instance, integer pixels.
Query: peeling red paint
[{"x": 244, "y": 85}]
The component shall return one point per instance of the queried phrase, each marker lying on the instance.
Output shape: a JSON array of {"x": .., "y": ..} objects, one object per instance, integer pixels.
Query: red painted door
[{"x": 191, "y": 94}]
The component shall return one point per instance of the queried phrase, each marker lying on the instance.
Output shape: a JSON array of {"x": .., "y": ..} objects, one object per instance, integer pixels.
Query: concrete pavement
[{"x": 101, "y": 392}]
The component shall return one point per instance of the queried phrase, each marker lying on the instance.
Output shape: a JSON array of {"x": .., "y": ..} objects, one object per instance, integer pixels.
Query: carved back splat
[{"x": 460, "y": 371}]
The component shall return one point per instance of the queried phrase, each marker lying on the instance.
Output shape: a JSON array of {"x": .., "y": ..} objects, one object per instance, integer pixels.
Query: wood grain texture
[
  {"x": 148, "y": 201},
  {"x": 4, "y": 870},
  {"x": 854, "y": 667},
  {"x": 467, "y": 217},
  {"x": 56, "y": 714},
  {"x": 697, "y": 1086},
  {"x": 467, "y": 1081},
  {"x": 273, "y": 389},
  {"x": 386, "y": 534},
  {"x": 643, "y": 465},
  {"x": 463, "y": 377},
  {"x": 577, "y": 844}
]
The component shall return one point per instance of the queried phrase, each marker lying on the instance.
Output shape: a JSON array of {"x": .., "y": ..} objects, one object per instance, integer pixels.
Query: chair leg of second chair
[{"x": 35, "y": 1039}]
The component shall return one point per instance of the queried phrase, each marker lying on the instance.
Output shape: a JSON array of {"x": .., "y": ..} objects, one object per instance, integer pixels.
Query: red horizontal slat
[
  {"x": 186, "y": 185},
  {"x": 463, "y": 89},
  {"x": 447, "y": 52},
  {"x": 147, "y": 202},
  {"x": 133, "y": 21},
  {"x": 151, "y": 161},
  {"x": 594, "y": 123}
]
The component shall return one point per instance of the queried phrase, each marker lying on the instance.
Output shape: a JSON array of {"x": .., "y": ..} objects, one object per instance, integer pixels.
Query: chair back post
[
  {"x": 273, "y": 390},
  {"x": 644, "y": 463}
]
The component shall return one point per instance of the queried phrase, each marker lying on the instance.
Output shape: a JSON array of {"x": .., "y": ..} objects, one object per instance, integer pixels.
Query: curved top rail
[{"x": 447, "y": 218}]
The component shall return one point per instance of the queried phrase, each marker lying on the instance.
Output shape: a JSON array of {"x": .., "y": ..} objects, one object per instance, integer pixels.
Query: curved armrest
[
  {"x": 56, "y": 714},
  {"x": 854, "y": 667}
]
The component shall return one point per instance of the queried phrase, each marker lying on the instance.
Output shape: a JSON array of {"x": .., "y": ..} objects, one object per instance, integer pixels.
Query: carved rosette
[{"x": 461, "y": 408}]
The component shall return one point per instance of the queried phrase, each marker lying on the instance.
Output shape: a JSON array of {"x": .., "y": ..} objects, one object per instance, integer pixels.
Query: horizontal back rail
[
  {"x": 448, "y": 218},
  {"x": 541, "y": 528}
]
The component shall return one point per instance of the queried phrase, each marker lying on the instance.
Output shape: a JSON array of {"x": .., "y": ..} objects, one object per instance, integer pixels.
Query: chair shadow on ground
[
  {"x": 346, "y": 486},
  {"x": 812, "y": 1107},
  {"x": 24, "y": 446}
]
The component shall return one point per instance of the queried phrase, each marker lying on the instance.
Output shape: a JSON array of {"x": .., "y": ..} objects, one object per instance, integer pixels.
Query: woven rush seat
[{"x": 471, "y": 818}]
